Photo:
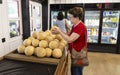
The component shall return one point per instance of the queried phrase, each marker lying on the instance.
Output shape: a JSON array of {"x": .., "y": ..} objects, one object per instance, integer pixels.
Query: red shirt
[{"x": 80, "y": 42}]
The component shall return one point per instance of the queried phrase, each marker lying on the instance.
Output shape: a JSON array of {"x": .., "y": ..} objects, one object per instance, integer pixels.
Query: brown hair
[{"x": 77, "y": 12}]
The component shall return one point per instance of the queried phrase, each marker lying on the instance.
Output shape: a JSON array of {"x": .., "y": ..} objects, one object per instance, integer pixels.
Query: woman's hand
[{"x": 56, "y": 30}]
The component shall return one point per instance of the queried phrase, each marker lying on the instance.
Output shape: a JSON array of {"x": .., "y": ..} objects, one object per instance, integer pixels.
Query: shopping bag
[{"x": 80, "y": 58}]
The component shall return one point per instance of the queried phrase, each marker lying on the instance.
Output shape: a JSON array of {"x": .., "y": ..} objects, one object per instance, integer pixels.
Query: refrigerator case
[
  {"x": 110, "y": 23},
  {"x": 92, "y": 20}
]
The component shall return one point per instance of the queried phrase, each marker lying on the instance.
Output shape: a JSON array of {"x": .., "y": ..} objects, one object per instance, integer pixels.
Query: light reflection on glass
[{"x": 14, "y": 28}]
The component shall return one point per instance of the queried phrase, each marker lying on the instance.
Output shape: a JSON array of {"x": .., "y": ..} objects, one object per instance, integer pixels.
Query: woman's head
[
  {"x": 76, "y": 12},
  {"x": 60, "y": 15}
]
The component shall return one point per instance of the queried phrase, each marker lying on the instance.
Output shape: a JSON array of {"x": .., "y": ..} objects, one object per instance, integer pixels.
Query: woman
[
  {"x": 61, "y": 22},
  {"x": 77, "y": 36}
]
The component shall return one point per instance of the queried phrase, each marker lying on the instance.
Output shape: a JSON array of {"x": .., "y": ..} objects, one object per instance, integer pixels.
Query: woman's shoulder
[{"x": 81, "y": 25}]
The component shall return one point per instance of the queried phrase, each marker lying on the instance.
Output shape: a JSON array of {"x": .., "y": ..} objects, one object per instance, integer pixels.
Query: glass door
[
  {"x": 35, "y": 16},
  {"x": 14, "y": 18},
  {"x": 54, "y": 17},
  {"x": 110, "y": 27},
  {"x": 92, "y": 20}
]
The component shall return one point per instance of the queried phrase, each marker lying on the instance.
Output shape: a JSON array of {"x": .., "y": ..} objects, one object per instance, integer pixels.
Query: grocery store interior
[{"x": 22, "y": 20}]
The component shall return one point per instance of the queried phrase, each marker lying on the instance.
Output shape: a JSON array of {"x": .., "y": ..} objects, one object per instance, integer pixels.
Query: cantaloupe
[
  {"x": 27, "y": 42},
  {"x": 21, "y": 48},
  {"x": 43, "y": 43},
  {"x": 49, "y": 38},
  {"x": 41, "y": 52},
  {"x": 35, "y": 42},
  {"x": 29, "y": 50},
  {"x": 48, "y": 32},
  {"x": 35, "y": 51},
  {"x": 53, "y": 44},
  {"x": 57, "y": 53},
  {"x": 31, "y": 38},
  {"x": 53, "y": 36},
  {"x": 41, "y": 36},
  {"x": 34, "y": 34},
  {"x": 59, "y": 37},
  {"x": 57, "y": 40},
  {"x": 48, "y": 52},
  {"x": 61, "y": 46},
  {"x": 65, "y": 42}
]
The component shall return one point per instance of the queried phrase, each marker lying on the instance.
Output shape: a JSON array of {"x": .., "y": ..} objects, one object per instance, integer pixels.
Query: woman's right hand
[{"x": 55, "y": 30}]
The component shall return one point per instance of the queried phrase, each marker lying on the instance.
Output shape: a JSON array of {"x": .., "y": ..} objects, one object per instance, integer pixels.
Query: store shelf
[
  {"x": 93, "y": 35},
  {"x": 94, "y": 26},
  {"x": 109, "y": 28}
]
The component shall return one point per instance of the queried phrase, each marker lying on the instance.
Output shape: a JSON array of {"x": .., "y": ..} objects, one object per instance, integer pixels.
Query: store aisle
[{"x": 103, "y": 64}]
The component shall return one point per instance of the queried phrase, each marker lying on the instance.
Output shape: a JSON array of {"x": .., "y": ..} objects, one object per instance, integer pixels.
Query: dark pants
[{"x": 77, "y": 70}]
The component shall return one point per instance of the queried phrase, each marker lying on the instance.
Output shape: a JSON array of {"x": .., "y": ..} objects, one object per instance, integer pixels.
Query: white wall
[
  {"x": 80, "y": 1},
  {"x": 1, "y": 32},
  {"x": 11, "y": 43}
]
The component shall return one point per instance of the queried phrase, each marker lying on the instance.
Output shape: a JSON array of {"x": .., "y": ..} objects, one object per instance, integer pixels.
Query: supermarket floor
[{"x": 103, "y": 64}]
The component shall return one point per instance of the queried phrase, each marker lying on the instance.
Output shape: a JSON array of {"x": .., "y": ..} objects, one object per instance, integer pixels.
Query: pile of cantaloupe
[{"x": 43, "y": 44}]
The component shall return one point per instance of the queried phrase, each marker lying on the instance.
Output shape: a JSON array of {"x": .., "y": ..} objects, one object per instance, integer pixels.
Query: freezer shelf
[
  {"x": 92, "y": 39},
  {"x": 92, "y": 24},
  {"x": 108, "y": 40}
]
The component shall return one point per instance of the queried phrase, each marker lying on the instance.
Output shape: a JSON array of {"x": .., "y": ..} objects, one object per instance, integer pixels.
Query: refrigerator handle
[{"x": 3, "y": 40}]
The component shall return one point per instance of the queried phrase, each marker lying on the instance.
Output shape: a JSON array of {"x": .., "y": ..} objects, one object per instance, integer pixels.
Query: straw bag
[{"x": 80, "y": 58}]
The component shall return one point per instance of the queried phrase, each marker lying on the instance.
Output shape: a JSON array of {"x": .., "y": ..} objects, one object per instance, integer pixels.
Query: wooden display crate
[
  {"x": 22, "y": 57},
  {"x": 64, "y": 66}
]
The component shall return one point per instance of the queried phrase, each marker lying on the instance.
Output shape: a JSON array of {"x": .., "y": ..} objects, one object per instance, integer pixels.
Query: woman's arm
[{"x": 70, "y": 38}]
